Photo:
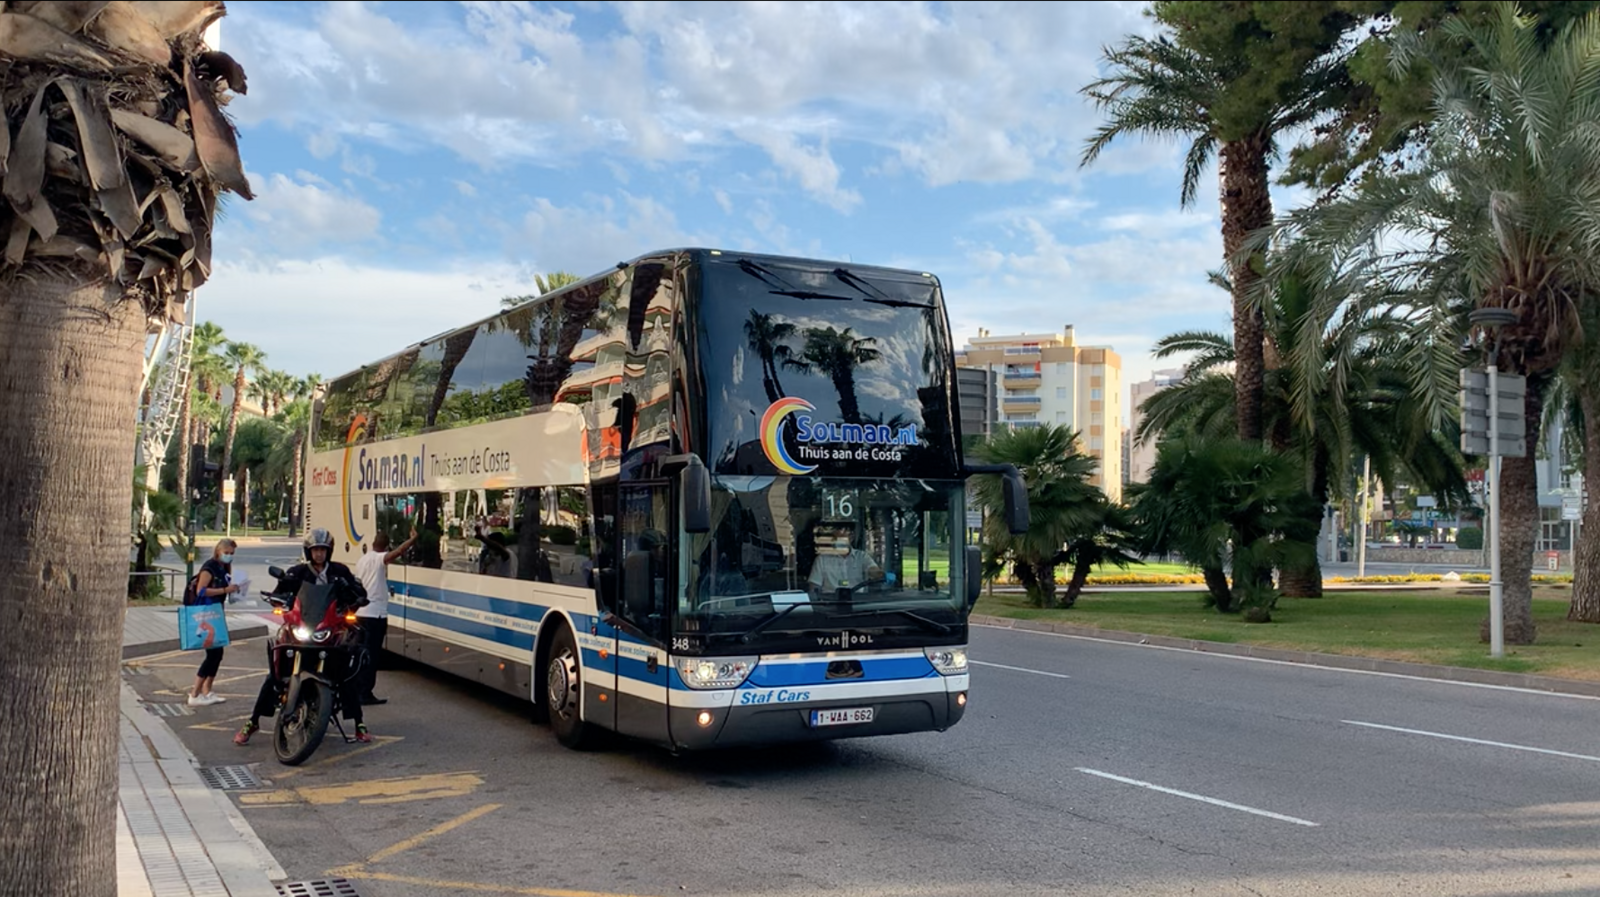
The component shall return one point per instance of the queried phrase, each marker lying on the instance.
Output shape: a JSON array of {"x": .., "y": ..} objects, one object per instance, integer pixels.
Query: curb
[
  {"x": 244, "y": 864},
  {"x": 1336, "y": 661}
]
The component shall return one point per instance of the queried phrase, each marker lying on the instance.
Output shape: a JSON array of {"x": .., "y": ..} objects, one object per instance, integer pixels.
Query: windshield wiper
[
  {"x": 749, "y": 634},
  {"x": 920, "y": 620},
  {"x": 876, "y": 296},
  {"x": 807, "y": 294}
]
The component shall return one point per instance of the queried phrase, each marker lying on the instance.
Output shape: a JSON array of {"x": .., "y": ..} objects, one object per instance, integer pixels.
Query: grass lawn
[
  {"x": 1438, "y": 626},
  {"x": 1150, "y": 568}
]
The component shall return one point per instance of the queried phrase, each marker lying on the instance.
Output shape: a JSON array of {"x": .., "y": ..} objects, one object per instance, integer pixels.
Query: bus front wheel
[{"x": 564, "y": 693}]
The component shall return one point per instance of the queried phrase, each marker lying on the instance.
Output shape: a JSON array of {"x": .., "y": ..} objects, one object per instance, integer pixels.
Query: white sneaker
[
  {"x": 198, "y": 701},
  {"x": 214, "y": 698}
]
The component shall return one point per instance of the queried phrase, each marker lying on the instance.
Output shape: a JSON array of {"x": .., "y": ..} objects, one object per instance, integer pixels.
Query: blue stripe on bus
[
  {"x": 521, "y": 610},
  {"x": 486, "y": 631},
  {"x": 816, "y": 672}
]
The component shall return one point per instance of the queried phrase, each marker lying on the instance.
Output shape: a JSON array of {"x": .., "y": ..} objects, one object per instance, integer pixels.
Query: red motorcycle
[{"x": 316, "y": 653}]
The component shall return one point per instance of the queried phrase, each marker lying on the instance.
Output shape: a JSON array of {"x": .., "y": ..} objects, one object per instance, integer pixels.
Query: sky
[{"x": 415, "y": 162}]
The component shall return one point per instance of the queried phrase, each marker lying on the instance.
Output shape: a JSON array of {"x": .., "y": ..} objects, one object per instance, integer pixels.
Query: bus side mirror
[
  {"x": 695, "y": 483},
  {"x": 1016, "y": 498},
  {"x": 974, "y": 575}
]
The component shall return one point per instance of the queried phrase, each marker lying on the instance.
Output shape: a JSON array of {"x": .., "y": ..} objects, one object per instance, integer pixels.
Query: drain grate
[
  {"x": 170, "y": 709},
  {"x": 230, "y": 778},
  {"x": 319, "y": 887}
]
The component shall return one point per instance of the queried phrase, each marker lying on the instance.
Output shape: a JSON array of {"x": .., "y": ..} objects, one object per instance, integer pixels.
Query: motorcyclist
[{"x": 319, "y": 569}]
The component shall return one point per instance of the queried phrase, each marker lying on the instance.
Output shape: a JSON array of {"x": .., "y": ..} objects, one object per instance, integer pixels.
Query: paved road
[{"x": 1083, "y": 767}]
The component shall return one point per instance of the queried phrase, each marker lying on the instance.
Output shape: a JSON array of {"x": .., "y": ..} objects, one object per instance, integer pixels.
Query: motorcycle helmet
[{"x": 319, "y": 538}]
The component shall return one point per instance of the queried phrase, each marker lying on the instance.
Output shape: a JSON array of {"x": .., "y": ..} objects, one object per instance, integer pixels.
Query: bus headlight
[
  {"x": 714, "y": 672},
  {"x": 949, "y": 661}
]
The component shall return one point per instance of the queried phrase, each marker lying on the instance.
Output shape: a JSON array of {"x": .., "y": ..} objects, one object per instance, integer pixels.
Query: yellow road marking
[
  {"x": 372, "y": 791},
  {"x": 437, "y": 886},
  {"x": 434, "y": 832},
  {"x": 378, "y": 742},
  {"x": 225, "y": 724}
]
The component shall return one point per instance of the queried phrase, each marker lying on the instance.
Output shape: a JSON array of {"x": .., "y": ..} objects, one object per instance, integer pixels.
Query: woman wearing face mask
[{"x": 213, "y": 584}]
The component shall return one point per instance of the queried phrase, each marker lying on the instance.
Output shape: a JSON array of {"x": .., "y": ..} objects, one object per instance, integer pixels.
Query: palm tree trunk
[
  {"x": 227, "y": 444},
  {"x": 1030, "y": 583},
  {"x": 1080, "y": 575},
  {"x": 1045, "y": 573},
  {"x": 1304, "y": 580},
  {"x": 849, "y": 407},
  {"x": 294, "y": 489},
  {"x": 183, "y": 454},
  {"x": 1586, "y": 561},
  {"x": 1217, "y": 583},
  {"x": 1519, "y": 524},
  {"x": 70, "y": 356},
  {"x": 1246, "y": 207}
]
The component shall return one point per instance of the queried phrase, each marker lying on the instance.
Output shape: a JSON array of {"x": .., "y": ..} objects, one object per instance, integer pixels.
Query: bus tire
[{"x": 564, "y": 693}]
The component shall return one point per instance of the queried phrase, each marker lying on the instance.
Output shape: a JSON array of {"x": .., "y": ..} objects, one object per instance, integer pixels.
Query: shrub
[
  {"x": 561, "y": 535},
  {"x": 1469, "y": 538}
]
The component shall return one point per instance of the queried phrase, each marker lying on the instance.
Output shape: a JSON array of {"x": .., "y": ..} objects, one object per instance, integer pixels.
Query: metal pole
[
  {"x": 1497, "y": 622},
  {"x": 1361, "y": 530}
]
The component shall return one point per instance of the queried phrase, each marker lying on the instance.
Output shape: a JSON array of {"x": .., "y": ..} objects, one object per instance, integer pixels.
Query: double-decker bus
[{"x": 702, "y": 499}]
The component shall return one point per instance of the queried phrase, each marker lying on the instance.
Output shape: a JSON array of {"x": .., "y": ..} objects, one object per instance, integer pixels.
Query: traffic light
[{"x": 201, "y": 471}]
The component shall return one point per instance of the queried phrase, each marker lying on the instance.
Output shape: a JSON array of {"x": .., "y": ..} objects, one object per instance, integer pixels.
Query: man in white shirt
[
  {"x": 374, "y": 618},
  {"x": 839, "y": 563}
]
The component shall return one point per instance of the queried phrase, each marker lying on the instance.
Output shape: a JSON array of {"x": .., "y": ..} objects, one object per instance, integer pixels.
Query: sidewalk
[
  {"x": 163, "y": 807},
  {"x": 154, "y": 630}
]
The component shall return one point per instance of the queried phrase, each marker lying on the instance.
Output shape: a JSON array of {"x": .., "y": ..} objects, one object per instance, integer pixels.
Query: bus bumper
[{"x": 739, "y": 726}]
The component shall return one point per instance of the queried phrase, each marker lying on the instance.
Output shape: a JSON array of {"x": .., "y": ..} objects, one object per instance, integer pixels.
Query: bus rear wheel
[{"x": 564, "y": 693}]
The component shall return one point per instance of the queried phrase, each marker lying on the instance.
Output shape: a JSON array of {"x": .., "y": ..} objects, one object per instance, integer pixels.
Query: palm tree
[
  {"x": 259, "y": 389},
  {"x": 837, "y": 353},
  {"x": 1502, "y": 205},
  {"x": 244, "y": 359},
  {"x": 1346, "y": 394},
  {"x": 1220, "y": 503},
  {"x": 1062, "y": 504},
  {"x": 555, "y": 280},
  {"x": 286, "y": 463},
  {"x": 118, "y": 151},
  {"x": 1108, "y": 537},
  {"x": 1209, "y": 91},
  {"x": 766, "y": 338},
  {"x": 206, "y": 339}
]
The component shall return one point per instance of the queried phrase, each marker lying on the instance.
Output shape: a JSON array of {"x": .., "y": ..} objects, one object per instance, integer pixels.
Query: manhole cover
[
  {"x": 170, "y": 709},
  {"x": 318, "y": 887},
  {"x": 235, "y": 778}
]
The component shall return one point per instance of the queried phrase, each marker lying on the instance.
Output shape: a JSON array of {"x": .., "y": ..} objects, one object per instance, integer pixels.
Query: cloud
[
  {"x": 599, "y": 234},
  {"x": 984, "y": 93},
  {"x": 292, "y": 214},
  {"x": 465, "y": 189},
  {"x": 329, "y": 315}
]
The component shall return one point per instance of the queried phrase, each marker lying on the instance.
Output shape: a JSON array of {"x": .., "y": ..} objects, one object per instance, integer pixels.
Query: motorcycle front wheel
[{"x": 301, "y": 726}]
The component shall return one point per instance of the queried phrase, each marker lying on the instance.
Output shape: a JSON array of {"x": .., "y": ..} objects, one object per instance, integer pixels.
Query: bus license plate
[{"x": 841, "y": 717}]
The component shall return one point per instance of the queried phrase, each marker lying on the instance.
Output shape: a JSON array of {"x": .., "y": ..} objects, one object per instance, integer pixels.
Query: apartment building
[
  {"x": 1049, "y": 378},
  {"x": 1142, "y": 457}
]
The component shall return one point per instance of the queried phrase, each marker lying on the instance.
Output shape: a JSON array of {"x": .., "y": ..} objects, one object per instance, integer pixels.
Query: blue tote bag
[{"x": 202, "y": 626}]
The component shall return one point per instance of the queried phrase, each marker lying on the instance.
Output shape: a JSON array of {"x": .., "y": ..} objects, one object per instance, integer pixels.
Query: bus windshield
[{"x": 803, "y": 555}]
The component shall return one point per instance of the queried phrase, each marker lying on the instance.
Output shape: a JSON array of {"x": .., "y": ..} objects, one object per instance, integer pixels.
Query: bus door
[{"x": 647, "y": 550}]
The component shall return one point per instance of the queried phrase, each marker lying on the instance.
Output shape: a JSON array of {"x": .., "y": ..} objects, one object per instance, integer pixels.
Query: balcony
[
  {"x": 1021, "y": 380},
  {"x": 1020, "y": 403},
  {"x": 1021, "y": 354}
]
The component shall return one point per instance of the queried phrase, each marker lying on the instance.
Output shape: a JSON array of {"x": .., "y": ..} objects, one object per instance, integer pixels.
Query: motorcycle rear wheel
[{"x": 300, "y": 728}]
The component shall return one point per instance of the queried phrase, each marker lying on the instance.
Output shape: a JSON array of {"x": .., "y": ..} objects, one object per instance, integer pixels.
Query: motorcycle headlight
[
  {"x": 948, "y": 661},
  {"x": 321, "y": 635},
  {"x": 714, "y": 672},
  {"x": 302, "y": 632}
]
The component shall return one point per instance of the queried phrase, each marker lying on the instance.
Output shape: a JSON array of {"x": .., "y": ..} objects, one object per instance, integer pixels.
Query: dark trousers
[
  {"x": 271, "y": 694},
  {"x": 211, "y": 663},
  {"x": 373, "y": 632}
]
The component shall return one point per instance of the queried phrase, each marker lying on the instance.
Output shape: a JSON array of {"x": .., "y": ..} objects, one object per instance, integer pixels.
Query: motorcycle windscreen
[{"x": 314, "y": 601}]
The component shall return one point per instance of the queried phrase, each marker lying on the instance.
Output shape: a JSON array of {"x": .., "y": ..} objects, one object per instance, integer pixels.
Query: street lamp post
[{"x": 1491, "y": 320}]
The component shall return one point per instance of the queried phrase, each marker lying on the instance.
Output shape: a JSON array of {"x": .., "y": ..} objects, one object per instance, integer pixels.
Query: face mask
[{"x": 227, "y": 558}]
